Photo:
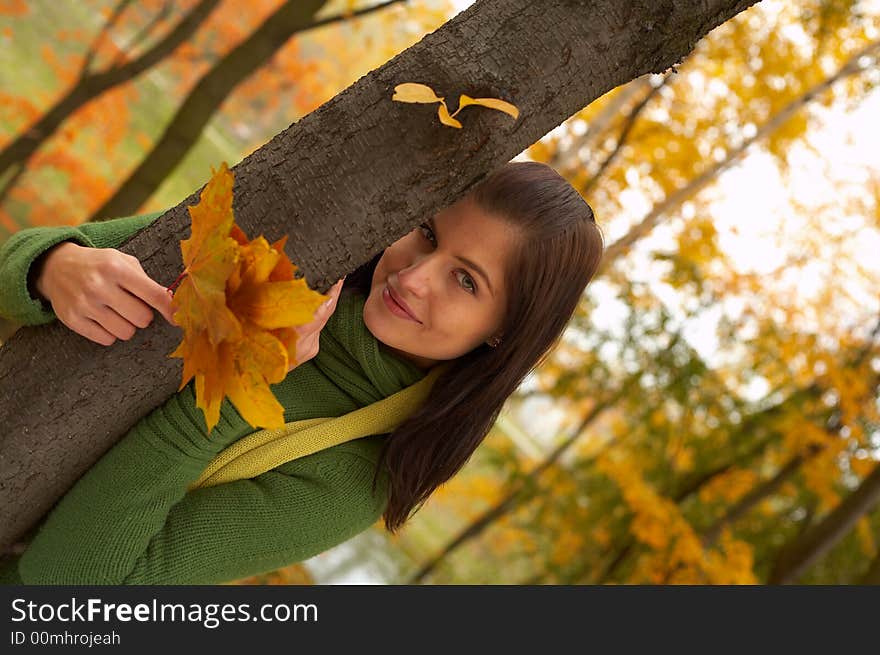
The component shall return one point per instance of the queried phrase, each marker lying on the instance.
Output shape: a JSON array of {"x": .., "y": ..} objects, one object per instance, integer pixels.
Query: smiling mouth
[{"x": 394, "y": 308}]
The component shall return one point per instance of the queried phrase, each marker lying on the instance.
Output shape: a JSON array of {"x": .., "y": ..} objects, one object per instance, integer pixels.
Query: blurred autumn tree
[
  {"x": 753, "y": 458},
  {"x": 718, "y": 387}
]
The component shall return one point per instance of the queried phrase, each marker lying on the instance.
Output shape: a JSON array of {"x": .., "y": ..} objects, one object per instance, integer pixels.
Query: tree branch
[
  {"x": 91, "y": 85},
  {"x": 625, "y": 132}
]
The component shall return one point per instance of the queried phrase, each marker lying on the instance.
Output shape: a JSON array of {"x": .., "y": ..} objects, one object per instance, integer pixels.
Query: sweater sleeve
[
  {"x": 131, "y": 520},
  {"x": 21, "y": 257}
]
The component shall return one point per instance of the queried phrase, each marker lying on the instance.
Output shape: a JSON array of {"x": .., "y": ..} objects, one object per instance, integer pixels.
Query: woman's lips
[{"x": 393, "y": 307}]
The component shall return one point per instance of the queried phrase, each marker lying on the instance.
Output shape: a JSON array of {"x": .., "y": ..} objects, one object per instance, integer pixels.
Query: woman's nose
[{"x": 417, "y": 276}]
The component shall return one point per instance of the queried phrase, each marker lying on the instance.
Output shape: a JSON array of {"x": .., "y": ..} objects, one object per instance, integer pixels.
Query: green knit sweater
[{"x": 130, "y": 520}]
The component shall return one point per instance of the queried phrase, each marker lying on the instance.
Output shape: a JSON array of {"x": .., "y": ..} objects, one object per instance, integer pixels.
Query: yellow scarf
[{"x": 264, "y": 450}]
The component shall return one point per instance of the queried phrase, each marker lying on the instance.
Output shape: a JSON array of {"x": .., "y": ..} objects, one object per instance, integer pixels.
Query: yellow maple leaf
[
  {"x": 209, "y": 256},
  {"x": 413, "y": 92},
  {"x": 239, "y": 306}
]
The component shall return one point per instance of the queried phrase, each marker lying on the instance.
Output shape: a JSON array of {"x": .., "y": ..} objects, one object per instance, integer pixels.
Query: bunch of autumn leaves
[{"x": 238, "y": 306}]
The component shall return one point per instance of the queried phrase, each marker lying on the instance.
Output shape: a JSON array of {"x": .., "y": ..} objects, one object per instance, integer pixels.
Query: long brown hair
[{"x": 559, "y": 250}]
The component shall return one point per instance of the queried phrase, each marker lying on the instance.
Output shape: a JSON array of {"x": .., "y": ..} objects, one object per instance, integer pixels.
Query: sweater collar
[{"x": 351, "y": 356}]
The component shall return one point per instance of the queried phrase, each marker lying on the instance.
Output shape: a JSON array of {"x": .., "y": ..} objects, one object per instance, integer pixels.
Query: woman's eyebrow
[{"x": 465, "y": 260}]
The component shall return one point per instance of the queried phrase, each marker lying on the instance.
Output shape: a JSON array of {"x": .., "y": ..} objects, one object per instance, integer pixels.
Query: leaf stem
[{"x": 176, "y": 282}]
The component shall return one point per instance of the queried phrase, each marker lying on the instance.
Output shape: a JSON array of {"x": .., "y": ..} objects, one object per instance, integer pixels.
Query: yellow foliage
[
  {"x": 566, "y": 546},
  {"x": 733, "y": 563},
  {"x": 602, "y": 535},
  {"x": 678, "y": 553},
  {"x": 729, "y": 486},
  {"x": 820, "y": 475},
  {"x": 866, "y": 537},
  {"x": 862, "y": 466}
]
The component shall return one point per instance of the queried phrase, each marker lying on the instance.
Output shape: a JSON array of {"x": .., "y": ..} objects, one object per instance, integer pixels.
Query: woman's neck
[{"x": 421, "y": 362}]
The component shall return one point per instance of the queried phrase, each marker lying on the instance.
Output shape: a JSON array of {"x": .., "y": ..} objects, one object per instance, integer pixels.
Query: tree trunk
[
  {"x": 796, "y": 557},
  {"x": 344, "y": 182},
  {"x": 207, "y": 95}
]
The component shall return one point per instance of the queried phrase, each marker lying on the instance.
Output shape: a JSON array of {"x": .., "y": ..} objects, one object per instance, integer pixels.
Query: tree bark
[
  {"x": 207, "y": 95},
  {"x": 344, "y": 182}
]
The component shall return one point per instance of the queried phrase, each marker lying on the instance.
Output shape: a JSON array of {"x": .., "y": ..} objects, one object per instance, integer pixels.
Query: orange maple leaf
[{"x": 239, "y": 306}]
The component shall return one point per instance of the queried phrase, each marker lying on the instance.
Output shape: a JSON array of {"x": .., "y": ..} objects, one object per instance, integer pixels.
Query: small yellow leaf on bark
[
  {"x": 445, "y": 118},
  {"x": 492, "y": 103},
  {"x": 412, "y": 92}
]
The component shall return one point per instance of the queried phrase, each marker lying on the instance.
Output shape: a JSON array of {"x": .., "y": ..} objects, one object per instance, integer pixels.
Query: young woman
[{"x": 485, "y": 287}]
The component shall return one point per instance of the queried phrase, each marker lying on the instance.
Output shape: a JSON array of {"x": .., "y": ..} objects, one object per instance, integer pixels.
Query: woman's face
[{"x": 457, "y": 308}]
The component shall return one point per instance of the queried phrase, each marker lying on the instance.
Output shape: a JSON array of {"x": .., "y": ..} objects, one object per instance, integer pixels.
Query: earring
[{"x": 495, "y": 342}]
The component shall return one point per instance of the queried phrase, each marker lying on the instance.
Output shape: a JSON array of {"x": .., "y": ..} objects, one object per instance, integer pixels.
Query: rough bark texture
[{"x": 344, "y": 182}]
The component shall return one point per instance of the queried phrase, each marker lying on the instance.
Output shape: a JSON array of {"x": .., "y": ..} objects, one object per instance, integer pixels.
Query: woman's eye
[
  {"x": 424, "y": 226},
  {"x": 472, "y": 288}
]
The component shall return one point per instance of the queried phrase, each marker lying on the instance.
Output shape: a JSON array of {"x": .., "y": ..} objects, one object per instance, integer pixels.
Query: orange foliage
[
  {"x": 18, "y": 110},
  {"x": 14, "y": 7},
  {"x": 239, "y": 306},
  {"x": 86, "y": 186},
  {"x": 65, "y": 70},
  {"x": 109, "y": 115}
]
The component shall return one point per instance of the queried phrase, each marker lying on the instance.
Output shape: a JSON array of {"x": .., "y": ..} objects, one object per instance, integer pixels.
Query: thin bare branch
[
  {"x": 118, "y": 10},
  {"x": 625, "y": 132},
  {"x": 144, "y": 32}
]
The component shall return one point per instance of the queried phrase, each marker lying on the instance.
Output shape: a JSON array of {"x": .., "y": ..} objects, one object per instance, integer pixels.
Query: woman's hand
[
  {"x": 307, "y": 338},
  {"x": 102, "y": 294}
]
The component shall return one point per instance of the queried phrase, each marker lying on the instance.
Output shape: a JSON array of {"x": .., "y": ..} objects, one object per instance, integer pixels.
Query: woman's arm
[
  {"x": 25, "y": 251},
  {"x": 130, "y": 520},
  {"x": 244, "y": 528}
]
